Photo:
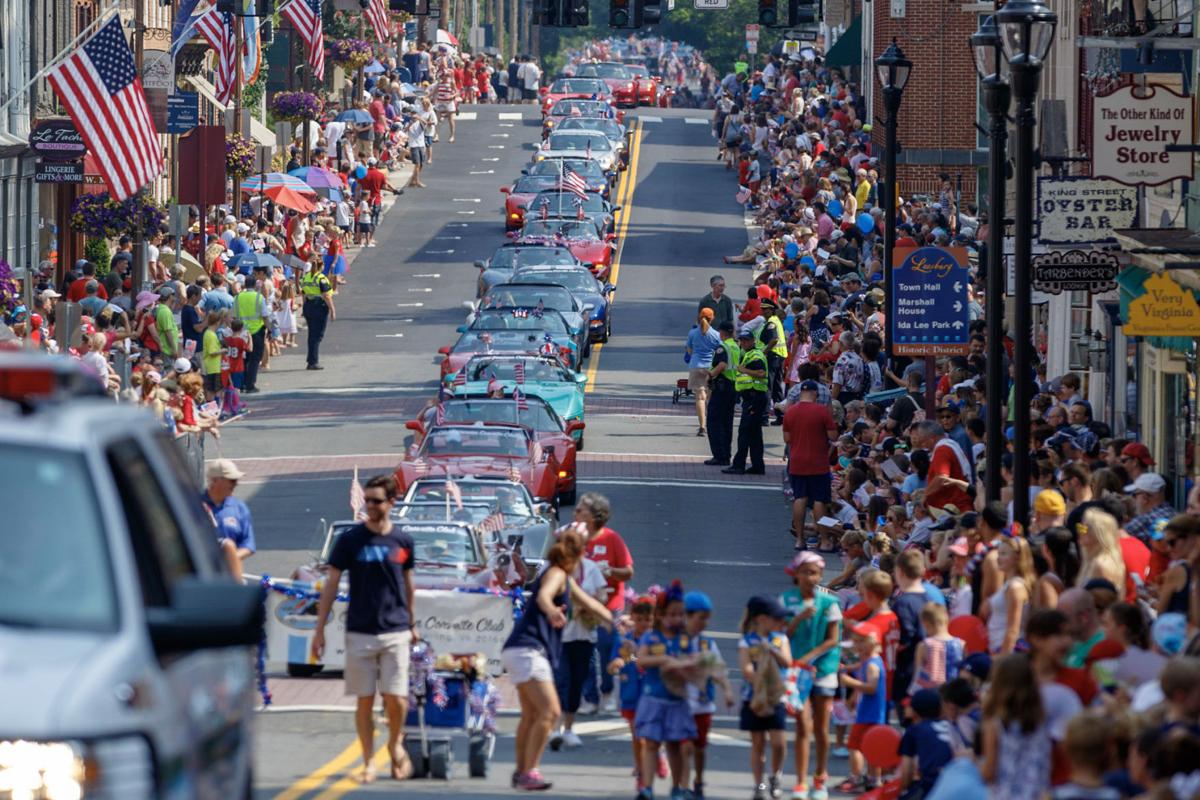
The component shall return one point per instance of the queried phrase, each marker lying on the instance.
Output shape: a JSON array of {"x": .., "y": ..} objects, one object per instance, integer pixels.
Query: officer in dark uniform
[
  {"x": 318, "y": 309},
  {"x": 751, "y": 385},
  {"x": 722, "y": 396}
]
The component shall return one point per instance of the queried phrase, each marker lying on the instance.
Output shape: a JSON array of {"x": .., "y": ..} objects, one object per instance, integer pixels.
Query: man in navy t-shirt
[{"x": 378, "y": 622}]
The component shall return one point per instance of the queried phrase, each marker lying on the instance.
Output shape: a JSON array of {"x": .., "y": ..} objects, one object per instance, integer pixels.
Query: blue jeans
[{"x": 601, "y": 655}]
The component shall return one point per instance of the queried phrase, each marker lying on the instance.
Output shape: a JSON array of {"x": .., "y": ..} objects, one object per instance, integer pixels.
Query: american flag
[
  {"x": 305, "y": 16},
  {"x": 420, "y": 467},
  {"x": 579, "y": 215},
  {"x": 454, "y": 493},
  {"x": 217, "y": 30},
  {"x": 514, "y": 474},
  {"x": 519, "y": 372},
  {"x": 519, "y": 396},
  {"x": 377, "y": 15},
  {"x": 99, "y": 86},
  {"x": 439, "y": 413},
  {"x": 571, "y": 181},
  {"x": 460, "y": 377},
  {"x": 358, "y": 500},
  {"x": 588, "y": 153},
  {"x": 492, "y": 522}
]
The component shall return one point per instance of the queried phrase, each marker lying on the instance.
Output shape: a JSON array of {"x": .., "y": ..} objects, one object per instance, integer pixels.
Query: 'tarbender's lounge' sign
[{"x": 1131, "y": 129}]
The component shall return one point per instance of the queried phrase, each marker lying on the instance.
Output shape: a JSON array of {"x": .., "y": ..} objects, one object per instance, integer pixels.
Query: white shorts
[
  {"x": 524, "y": 664},
  {"x": 377, "y": 663}
]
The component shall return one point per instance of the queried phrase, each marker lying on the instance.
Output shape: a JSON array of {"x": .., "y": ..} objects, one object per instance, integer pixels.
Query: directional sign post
[{"x": 928, "y": 314}]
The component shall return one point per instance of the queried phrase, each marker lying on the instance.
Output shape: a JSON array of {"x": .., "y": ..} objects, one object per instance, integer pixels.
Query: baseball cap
[
  {"x": 1147, "y": 482},
  {"x": 926, "y": 704},
  {"x": 853, "y": 276},
  {"x": 371, "y": 161},
  {"x": 867, "y": 630},
  {"x": 1049, "y": 502},
  {"x": 810, "y": 386},
  {"x": 1084, "y": 441},
  {"x": 242, "y": 227},
  {"x": 223, "y": 468},
  {"x": 1169, "y": 632},
  {"x": 166, "y": 291},
  {"x": 230, "y": 219},
  {"x": 745, "y": 333},
  {"x": 765, "y": 604},
  {"x": 183, "y": 366},
  {"x": 50, "y": 294},
  {"x": 1139, "y": 451},
  {"x": 697, "y": 601}
]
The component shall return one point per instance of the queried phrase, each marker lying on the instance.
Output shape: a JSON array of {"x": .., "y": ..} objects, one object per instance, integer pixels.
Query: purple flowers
[
  {"x": 10, "y": 290},
  {"x": 239, "y": 156},
  {"x": 350, "y": 54},
  {"x": 99, "y": 216},
  {"x": 295, "y": 106}
]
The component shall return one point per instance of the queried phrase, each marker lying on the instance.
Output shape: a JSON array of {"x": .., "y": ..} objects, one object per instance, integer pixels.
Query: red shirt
[
  {"x": 235, "y": 352},
  {"x": 608, "y": 546},
  {"x": 373, "y": 183},
  {"x": 1137, "y": 558},
  {"x": 1157, "y": 564},
  {"x": 806, "y": 427},
  {"x": 78, "y": 290},
  {"x": 943, "y": 461},
  {"x": 379, "y": 115},
  {"x": 750, "y": 310},
  {"x": 888, "y": 625}
]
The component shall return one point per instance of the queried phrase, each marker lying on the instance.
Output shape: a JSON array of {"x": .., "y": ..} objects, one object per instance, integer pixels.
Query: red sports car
[
  {"x": 647, "y": 84},
  {"x": 620, "y": 81},
  {"x": 494, "y": 449},
  {"x": 520, "y": 194},
  {"x": 572, "y": 89},
  {"x": 550, "y": 430},
  {"x": 579, "y": 236}
]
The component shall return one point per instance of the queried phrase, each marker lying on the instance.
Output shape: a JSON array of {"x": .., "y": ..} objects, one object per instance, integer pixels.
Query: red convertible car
[
  {"x": 647, "y": 84},
  {"x": 519, "y": 195},
  {"x": 573, "y": 89},
  {"x": 492, "y": 449},
  {"x": 579, "y": 236},
  {"x": 621, "y": 82},
  {"x": 550, "y": 430}
]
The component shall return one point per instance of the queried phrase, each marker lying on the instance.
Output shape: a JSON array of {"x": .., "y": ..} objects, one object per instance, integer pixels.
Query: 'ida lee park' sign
[{"x": 1131, "y": 128}]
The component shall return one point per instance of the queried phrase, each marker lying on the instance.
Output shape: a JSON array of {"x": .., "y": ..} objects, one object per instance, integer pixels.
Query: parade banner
[
  {"x": 1084, "y": 210},
  {"x": 1131, "y": 129}
]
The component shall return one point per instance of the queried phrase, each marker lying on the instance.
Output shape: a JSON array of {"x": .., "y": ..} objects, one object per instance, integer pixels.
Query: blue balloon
[
  {"x": 808, "y": 261},
  {"x": 866, "y": 223},
  {"x": 835, "y": 208},
  {"x": 360, "y": 172},
  {"x": 791, "y": 250}
]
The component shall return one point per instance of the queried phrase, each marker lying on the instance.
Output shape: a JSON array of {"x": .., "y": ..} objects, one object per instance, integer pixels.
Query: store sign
[
  {"x": 59, "y": 172},
  {"x": 1131, "y": 131},
  {"x": 1084, "y": 210},
  {"x": 929, "y": 302},
  {"x": 183, "y": 112},
  {"x": 1075, "y": 271},
  {"x": 57, "y": 140},
  {"x": 1164, "y": 309}
]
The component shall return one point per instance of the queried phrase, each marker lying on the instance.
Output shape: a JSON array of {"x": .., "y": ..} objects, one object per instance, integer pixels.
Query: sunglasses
[{"x": 375, "y": 501}]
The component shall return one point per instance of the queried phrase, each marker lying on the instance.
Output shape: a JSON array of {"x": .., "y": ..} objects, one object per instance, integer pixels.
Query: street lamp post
[
  {"x": 1026, "y": 32},
  {"x": 892, "y": 69},
  {"x": 989, "y": 63}
]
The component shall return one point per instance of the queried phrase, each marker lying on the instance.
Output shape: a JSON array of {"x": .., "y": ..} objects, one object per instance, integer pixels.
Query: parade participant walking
[
  {"x": 763, "y": 653},
  {"x": 235, "y": 527},
  {"x": 534, "y": 648},
  {"x": 751, "y": 385},
  {"x": 605, "y": 547},
  {"x": 318, "y": 309},
  {"x": 720, "y": 303},
  {"x": 808, "y": 428},
  {"x": 702, "y": 341},
  {"x": 378, "y": 621},
  {"x": 252, "y": 309},
  {"x": 702, "y": 697},
  {"x": 722, "y": 396}
]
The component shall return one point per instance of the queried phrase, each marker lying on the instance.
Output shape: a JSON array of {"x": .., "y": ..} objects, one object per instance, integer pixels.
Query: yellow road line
[
  {"x": 349, "y": 783},
  {"x": 318, "y": 776},
  {"x": 625, "y": 201}
]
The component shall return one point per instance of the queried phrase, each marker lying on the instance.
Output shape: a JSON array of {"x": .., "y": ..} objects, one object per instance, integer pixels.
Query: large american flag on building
[
  {"x": 305, "y": 16},
  {"x": 377, "y": 15},
  {"x": 217, "y": 30},
  {"x": 99, "y": 87}
]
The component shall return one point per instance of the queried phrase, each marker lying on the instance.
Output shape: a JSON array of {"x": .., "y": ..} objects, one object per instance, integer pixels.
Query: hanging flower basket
[
  {"x": 99, "y": 216},
  {"x": 295, "y": 106},
  {"x": 350, "y": 54},
  {"x": 10, "y": 290},
  {"x": 239, "y": 156}
]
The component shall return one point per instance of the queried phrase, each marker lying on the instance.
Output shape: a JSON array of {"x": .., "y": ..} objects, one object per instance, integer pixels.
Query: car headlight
[{"x": 118, "y": 767}]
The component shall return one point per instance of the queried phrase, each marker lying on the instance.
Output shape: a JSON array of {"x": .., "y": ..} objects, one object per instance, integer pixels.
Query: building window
[{"x": 1081, "y": 314}]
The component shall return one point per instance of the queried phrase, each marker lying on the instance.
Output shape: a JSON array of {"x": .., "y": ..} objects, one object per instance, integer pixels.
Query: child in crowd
[
  {"x": 869, "y": 681},
  {"x": 211, "y": 355},
  {"x": 286, "y": 314},
  {"x": 629, "y": 675},
  {"x": 1014, "y": 742},
  {"x": 907, "y": 605},
  {"x": 877, "y": 589},
  {"x": 926, "y": 747},
  {"x": 712, "y": 673},
  {"x": 237, "y": 344},
  {"x": 814, "y": 633},
  {"x": 960, "y": 705},
  {"x": 939, "y": 655},
  {"x": 1088, "y": 745},
  {"x": 763, "y": 653}
]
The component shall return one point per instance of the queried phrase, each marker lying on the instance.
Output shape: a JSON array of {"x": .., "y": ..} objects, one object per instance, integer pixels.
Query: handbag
[{"x": 768, "y": 685}]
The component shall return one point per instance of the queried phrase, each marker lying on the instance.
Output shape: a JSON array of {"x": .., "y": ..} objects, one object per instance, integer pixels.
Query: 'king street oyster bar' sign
[{"x": 1131, "y": 128}]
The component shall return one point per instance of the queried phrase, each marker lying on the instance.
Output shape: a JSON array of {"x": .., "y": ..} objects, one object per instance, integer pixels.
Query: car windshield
[
  {"x": 443, "y": 545},
  {"x": 472, "y": 513},
  {"x": 565, "y": 203},
  {"x": 536, "y": 370},
  {"x": 506, "y": 295},
  {"x": 586, "y": 108},
  {"x": 615, "y": 71},
  {"x": 537, "y": 415},
  {"x": 573, "y": 86},
  {"x": 481, "y": 441},
  {"x": 54, "y": 557},
  {"x": 534, "y": 184},
  {"x": 509, "y": 498},
  {"x": 610, "y": 129},
  {"x": 581, "y": 166},
  {"x": 568, "y": 230},
  {"x": 517, "y": 319},
  {"x": 580, "y": 141},
  {"x": 638, "y": 69},
  {"x": 578, "y": 281},
  {"x": 513, "y": 257}
]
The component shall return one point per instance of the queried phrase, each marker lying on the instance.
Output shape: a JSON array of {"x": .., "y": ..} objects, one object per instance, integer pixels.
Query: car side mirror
[
  {"x": 609, "y": 288},
  {"x": 459, "y": 329},
  {"x": 505, "y": 189},
  {"x": 616, "y": 208},
  {"x": 205, "y": 614},
  {"x": 575, "y": 425},
  {"x": 545, "y": 509},
  {"x": 479, "y": 262},
  {"x": 445, "y": 351},
  {"x": 581, "y": 378},
  {"x": 415, "y": 426},
  {"x": 525, "y": 172}
]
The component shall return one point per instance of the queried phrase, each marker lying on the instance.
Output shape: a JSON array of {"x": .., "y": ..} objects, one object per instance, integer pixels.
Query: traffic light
[
  {"x": 619, "y": 13},
  {"x": 768, "y": 13},
  {"x": 575, "y": 13},
  {"x": 804, "y": 12},
  {"x": 264, "y": 9},
  {"x": 226, "y": 7},
  {"x": 652, "y": 11},
  {"x": 549, "y": 12}
]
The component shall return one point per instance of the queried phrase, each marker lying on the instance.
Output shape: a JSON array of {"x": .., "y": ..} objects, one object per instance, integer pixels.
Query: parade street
[{"x": 681, "y": 519}]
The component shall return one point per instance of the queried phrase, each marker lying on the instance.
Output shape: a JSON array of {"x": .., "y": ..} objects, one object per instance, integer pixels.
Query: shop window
[{"x": 1081, "y": 334}]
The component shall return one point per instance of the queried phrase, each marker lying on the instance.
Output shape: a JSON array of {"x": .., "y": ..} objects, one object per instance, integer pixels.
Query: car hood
[
  {"x": 37, "y": 693},
  {"x": 596, "y": 154}
]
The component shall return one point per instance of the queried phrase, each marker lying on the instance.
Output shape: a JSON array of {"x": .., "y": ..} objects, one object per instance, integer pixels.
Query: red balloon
[
  {"x": 972, "y": 631},
  {"x": 881, "y": 747}
]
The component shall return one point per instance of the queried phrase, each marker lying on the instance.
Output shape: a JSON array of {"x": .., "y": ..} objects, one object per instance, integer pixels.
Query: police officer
[
  {"x": 251, "y": 308},
  {"x": 751, "y": 384},
  {"x": 774, "y": 346},
  {"x": 318, "y": 309},
  {"x": 722, "y": 396}
]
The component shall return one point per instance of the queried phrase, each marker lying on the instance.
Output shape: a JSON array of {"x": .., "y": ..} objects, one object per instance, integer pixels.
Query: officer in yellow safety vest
[
  {"x": 751, "y": 385},
  {"x": 318, "y": 309},
  {"x": 251, "y": 308},
  {"x": 722, "y": 396},
  {"x": 774, "y": 346}
]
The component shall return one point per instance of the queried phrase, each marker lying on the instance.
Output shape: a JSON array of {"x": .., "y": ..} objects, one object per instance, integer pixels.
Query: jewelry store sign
[
  {"x": 1084, "y": 211},
  {"x": 1131, "y": 129}
]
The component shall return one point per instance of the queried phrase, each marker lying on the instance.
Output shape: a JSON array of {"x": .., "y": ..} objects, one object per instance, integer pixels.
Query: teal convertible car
[{"x": 544, "y": 377}]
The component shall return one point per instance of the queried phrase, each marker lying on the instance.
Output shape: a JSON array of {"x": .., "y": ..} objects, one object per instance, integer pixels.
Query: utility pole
[
  {"x": 498, "y": 27},
  {"x": 514, "y": 25},
  {"x": 238, "y": 77},
  {"x": 139, "y": 52}
]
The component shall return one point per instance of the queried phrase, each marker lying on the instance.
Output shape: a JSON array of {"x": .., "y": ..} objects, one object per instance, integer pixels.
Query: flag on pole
[
  {"x": 519, "y": 372},
  {"x": 420, "y": 467},
  {"x": 588, "y": 153},
  {"x": 217, "y": 30},
  {"x": 358, "y": 500},
  {"x": 460, "y": 377},
  {"x": 99, "y": 86},
  {"x": 377, "y": 15},
  {"x": 185, "y": 24},
  {"x": 454, "y": 493},
  {"x": 492, "y": 522},
  {"x": 514, "y": 474},
  {"x": 572, "y": 182},
  {"x": 305, "y": 16},
  {"x": 251, "y": 44},
  {"x": 519, "y": 396}
]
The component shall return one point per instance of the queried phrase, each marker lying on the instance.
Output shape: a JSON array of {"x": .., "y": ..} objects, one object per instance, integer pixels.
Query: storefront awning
[
  {"x": 12, "y": 146},
  {"x": 847, "y": 50},
  {"x": 261, "y": 134},
  {"x": 1130, "y": 286}
]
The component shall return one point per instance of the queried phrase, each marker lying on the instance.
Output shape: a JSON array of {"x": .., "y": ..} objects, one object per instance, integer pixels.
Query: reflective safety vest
[
  {"x": 313, "y": 285},
  {"x": 780, "y": 346},
  {"x": 246, "y": 304},
  {"x": 752, "y": 359},
  {"x": 734, "y": 356}
]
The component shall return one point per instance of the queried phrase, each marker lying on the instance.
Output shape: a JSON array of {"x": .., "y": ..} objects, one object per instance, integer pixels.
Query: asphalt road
[{"x": 307, "y": 430}]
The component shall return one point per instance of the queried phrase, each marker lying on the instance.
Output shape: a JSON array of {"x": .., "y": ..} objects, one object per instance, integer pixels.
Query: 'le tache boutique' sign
[{"x": 1131, "y": 129}]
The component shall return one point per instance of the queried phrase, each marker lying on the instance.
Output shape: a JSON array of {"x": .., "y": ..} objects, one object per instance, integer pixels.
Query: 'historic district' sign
[
  {"x": 1075, "y": 271},
  {"x": 1083, "y": 210},
  {"x": 1131, "y": 129}
]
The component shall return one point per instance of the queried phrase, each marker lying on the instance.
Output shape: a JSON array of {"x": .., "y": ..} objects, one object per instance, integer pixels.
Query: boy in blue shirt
[
  {"x": 869, "y": 682},
  {"x": 926, "y": 746},
  {"x": 629, "y": 676}
]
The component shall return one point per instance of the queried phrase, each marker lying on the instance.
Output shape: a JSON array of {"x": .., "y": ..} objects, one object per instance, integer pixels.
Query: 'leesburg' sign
[
  {"x": 1082, "y": 210},
  {"x": 1131, "y": 131}
]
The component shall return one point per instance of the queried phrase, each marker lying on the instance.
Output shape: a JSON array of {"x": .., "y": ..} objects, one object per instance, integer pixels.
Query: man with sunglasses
[
  {"x": 235, "y": 528},
  {"x": 379, "y": 630}
]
